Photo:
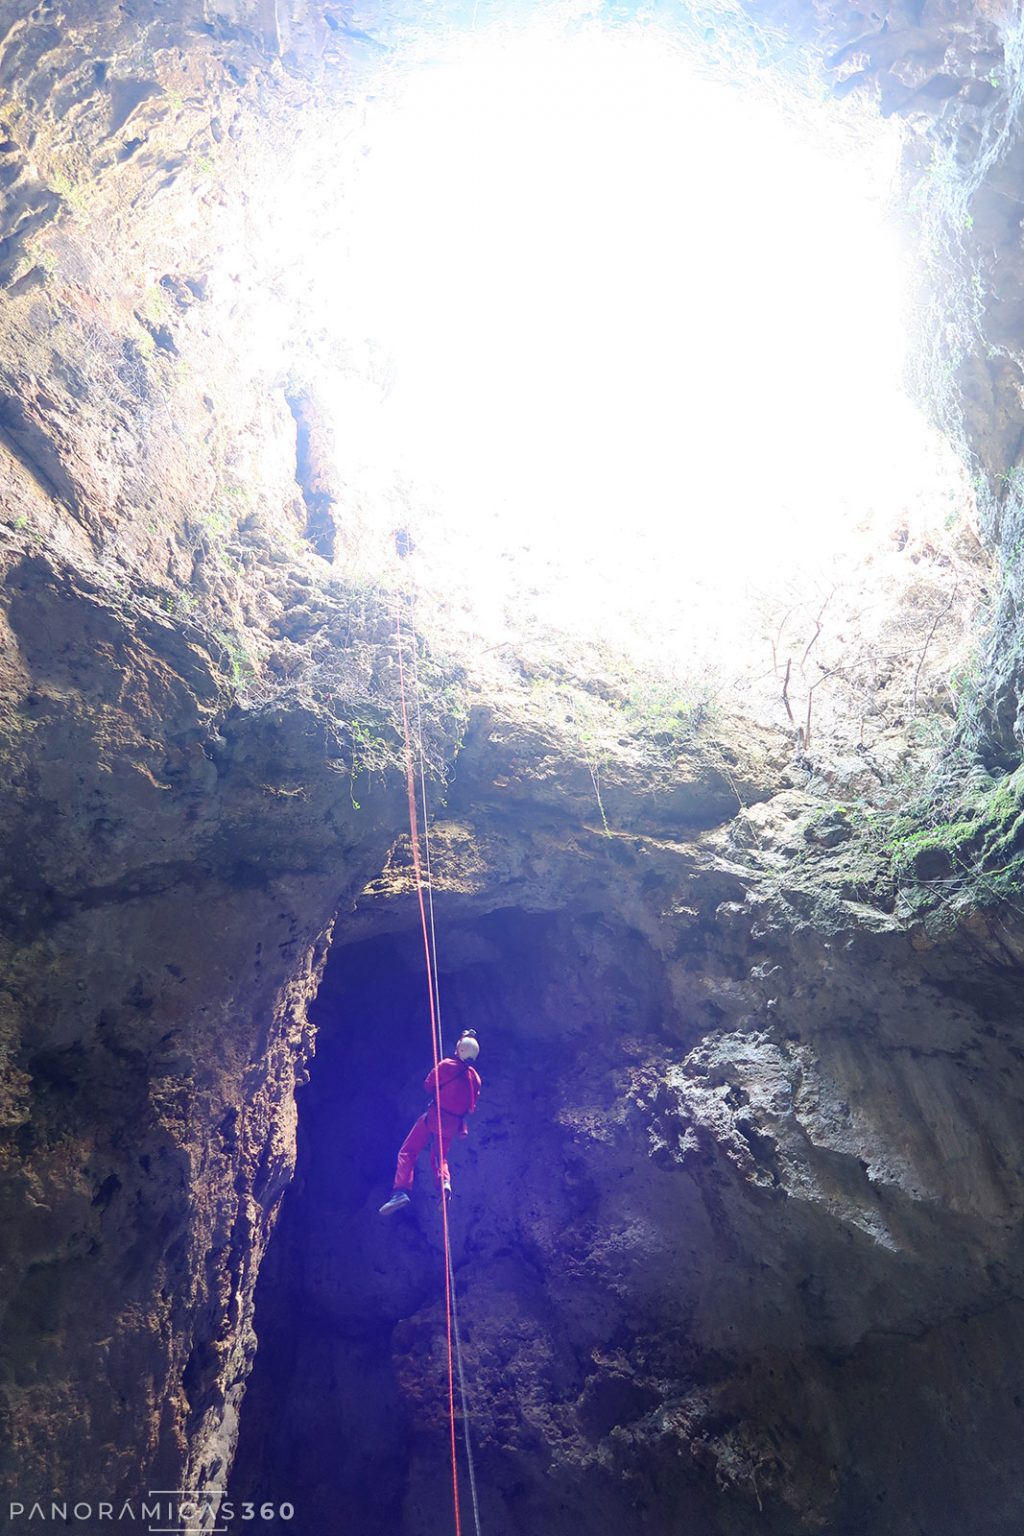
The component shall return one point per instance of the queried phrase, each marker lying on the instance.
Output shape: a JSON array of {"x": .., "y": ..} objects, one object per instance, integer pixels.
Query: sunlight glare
[
  {"x": 643, "y": 328},
  {"x": 617, "y": 292}
]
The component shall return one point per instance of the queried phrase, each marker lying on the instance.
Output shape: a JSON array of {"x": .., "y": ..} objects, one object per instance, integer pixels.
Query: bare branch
[
  {"x": 935, "y": 624},
  {"x": 817, "y": 627},
  {"x": 785, "y": 693},
  {"x": 778, "y": 639}
]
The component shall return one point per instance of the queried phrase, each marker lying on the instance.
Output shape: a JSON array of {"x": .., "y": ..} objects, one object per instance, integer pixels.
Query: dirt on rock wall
[
  {"x": 173, "y": 864},
  {"x": 737, "y": 1227},
  {"x": 748, "y": 1242}
]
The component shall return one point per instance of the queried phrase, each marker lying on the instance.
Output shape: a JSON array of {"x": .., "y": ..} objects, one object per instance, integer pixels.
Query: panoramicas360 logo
[{"x": 169, "y": 1511}]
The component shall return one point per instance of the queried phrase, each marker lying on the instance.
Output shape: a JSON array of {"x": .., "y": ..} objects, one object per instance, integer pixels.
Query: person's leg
[
  {"x": 409, "y": 1151},
  {"x": 449, "y": 1130}
]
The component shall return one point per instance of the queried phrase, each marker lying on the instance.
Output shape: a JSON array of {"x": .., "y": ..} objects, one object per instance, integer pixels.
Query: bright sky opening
[{"x": 644, "y": 328}]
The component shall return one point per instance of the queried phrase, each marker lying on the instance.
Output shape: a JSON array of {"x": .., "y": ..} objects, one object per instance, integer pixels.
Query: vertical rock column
[{"x": 173, "y": 863}]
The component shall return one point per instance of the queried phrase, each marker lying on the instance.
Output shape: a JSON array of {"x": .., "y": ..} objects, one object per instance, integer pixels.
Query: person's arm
[{"x": 436, "y": 1078}]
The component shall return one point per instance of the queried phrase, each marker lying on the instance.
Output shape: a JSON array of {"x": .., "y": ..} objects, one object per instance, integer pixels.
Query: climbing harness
[{"x": 434, "y": 1000}]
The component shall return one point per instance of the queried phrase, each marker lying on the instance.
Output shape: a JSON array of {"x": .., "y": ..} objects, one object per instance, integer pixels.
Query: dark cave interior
[
  {"x": 606, "y": 1268},
  {"x": 350, "y": 1308},
  {"x": 738, "y": 1231}
]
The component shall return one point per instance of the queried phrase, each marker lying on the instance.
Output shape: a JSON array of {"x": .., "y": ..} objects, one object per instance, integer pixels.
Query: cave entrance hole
[{"x": 623, "y": 319}]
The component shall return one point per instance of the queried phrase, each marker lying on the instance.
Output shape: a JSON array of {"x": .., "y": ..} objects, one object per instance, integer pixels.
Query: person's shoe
[
  {"x": 446, "y": 1188},
  {"x": 397, "y": 1201}
]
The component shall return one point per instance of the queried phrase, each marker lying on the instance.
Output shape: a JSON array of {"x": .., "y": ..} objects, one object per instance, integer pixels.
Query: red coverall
[{"x": 456, "y": 1085}]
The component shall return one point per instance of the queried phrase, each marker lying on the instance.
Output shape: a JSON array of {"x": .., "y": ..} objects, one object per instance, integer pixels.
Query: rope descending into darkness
[
  {"x": 454, "y": 1342},
  {"x": 440, "y": 1038}
]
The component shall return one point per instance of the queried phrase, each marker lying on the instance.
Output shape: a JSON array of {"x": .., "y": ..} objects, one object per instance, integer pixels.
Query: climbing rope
[
  {"x": 440, "y": 1036},
  {"x": 465, "y": 1402},
  {"x": 426, "y": 850},
  {"x": 435, "y": 1045}
]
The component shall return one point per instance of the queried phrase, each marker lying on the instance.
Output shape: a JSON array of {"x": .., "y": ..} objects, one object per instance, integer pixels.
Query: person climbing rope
[{"x": 455, "y": 1088}]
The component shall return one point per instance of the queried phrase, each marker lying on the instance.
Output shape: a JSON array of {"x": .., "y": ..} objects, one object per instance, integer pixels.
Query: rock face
[
  {"x": 737, "y": 1230},
  {"x": 168, "y": 893}
]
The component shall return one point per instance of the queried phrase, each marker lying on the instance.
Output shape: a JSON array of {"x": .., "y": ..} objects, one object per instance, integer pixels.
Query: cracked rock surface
[{"x": 737, "y": 1230}]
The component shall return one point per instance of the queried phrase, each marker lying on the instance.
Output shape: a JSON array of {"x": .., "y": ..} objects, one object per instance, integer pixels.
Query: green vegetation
[
  {"x": 972, "y": 857},
  {"x": 585, "y": 716},
  {"x": 615, "y": 701},
  {"x": 373, "y": 748},
  {"x": 37, "y": 255},
  {"x": 212, "y": 530},
  {"x": 71, "y": 192},
  {"x": 181, "y": 604},
  {"x": 965, "y": 686},
  {"x": 924, "y": 852},
  {"x": 155, "y": 304},
  {"x": 1013, "y": 478},
  {"x": 661, "y": 711},
  {"x": 217, "y": 522},
  {"x": 235, "y": 659},
  {"x": 613, "y": 713}
]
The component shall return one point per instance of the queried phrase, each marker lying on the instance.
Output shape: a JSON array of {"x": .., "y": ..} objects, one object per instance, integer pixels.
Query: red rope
[{"x": 414, "y": 837}]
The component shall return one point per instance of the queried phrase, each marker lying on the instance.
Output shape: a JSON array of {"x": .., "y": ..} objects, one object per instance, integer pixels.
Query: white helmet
[{"x": 468, "y": 1046}]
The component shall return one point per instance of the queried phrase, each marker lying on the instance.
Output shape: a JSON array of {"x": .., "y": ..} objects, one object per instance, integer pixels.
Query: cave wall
[
  {"x": 172, "y": 869},
  {"x": 736, "y": 1233},
  {"x": 178, "y": 841}
]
